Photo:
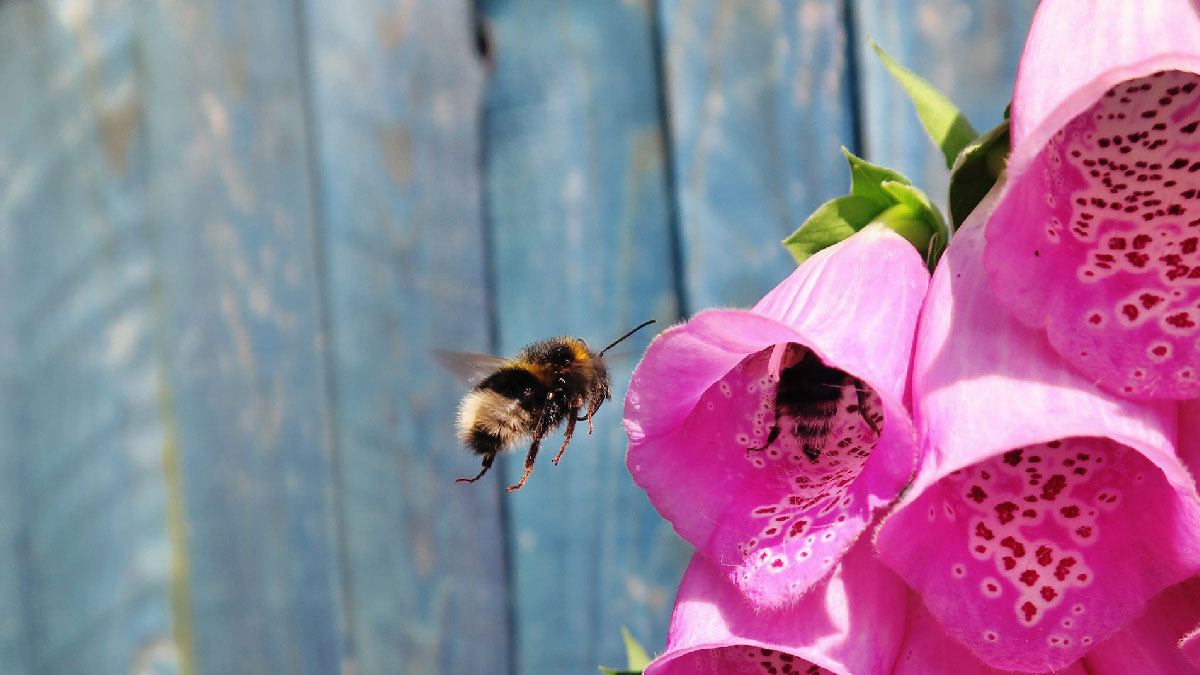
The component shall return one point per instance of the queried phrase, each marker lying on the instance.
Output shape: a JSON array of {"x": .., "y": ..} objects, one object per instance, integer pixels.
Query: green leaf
[
  {"x": 865, "y": 178},
  {"x": 635, "y": 656},
  {"x": 920, "y": 222},
  {"x": 832, "y": 222},
  {"x": 976, "y": 170},
  {"x": 944, "y": 122}
]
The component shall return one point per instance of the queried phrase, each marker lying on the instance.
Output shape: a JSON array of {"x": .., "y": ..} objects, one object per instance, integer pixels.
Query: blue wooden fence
[{"x": 231, "y": 231}]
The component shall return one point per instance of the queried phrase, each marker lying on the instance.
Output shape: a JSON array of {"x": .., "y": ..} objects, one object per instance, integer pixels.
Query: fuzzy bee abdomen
[{"x": 489, "y": 421}]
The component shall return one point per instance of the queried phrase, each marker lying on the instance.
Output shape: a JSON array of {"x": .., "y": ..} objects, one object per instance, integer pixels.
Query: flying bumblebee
[
  {"x": 808, "y": 394},
  {"x": 528, "y": 396}
]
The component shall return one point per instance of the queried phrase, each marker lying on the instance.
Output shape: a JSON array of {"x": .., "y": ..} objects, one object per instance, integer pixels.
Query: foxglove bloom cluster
[
  {"x": 1096, "y": 239},
  {"x": 1007, "y": 483},
  {"x": 776, "y": 517}
]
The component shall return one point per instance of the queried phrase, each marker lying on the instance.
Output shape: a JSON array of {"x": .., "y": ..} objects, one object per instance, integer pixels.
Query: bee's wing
[{"x": 468, "y": 366}]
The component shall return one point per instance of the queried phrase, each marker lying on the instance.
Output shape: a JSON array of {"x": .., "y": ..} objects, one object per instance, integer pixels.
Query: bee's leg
[
  {"x": 864, "y": 407},
  {"x": 532, "y": 455},
  {"x": 592, "y": 408},
  {"x": 571, "y": 420},
  {"x": 487, "y": 464},
  {"x": 770, "y": 438}
]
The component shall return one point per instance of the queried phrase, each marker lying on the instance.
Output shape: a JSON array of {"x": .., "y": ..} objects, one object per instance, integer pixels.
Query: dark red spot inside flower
[
  {"x": 1028, "y": 577},
  {"x": 1028, "y": 610},
  {"x": 1180, "y": 320},
  {"x": 1130, "y": 311},
  {"x": 1005, "y": 511},
  {"x": 1179, "y": 163},
  {"x": 1017, "y": 548},
  {"x": 1084, "y": 531},
  {"x": 1137, "y": 259},
  {"x": 1063, "y": 568},
  {"x": 1048, "y": 593},
  {"x": 1095, "y": 318},
  {"x": 1069, "y": 511},
  {"x": 977, "y": 494},
  {"x": 1188, "y": 128},
  {"x": 1189, "y": 245},
  {"x": 1009, "y": 562},
  {"x": 1053, "y": 487},
  {"x": 1013, "y": 457},
  {"x": 1044, "y": 555},
  {"x": 983, "y": 532},
  {"x": 1159, "y": 350}
]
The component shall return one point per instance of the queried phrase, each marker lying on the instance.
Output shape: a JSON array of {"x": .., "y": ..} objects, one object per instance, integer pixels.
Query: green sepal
[
  {"x": 635, "y": 656},
  {"x": 976, "y": 170},
  {"x": 943, "y": 121},
  {"x": 877, "y": 195},
  {"x": 916, "y": 219},
  {"x": 832, "y": 222},
  {"x": 865, "y": 179}
]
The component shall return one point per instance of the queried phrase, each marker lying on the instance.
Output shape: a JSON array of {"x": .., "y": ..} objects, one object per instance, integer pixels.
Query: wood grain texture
[
  {"x": 576, "y": 193},
  {"x": 92, "y": 555},
  {"x": 20, "y": 31},
  {"x": 760, "y": 107},
  {"x": 396, "y": 88},
  {"x": 968, "y": 50},
  {"x": 244, "y": 379},
  {"x": 230, "y": 233}
]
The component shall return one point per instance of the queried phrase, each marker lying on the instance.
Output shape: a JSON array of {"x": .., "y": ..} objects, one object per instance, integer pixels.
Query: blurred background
[{"x": 232, "y": 230}]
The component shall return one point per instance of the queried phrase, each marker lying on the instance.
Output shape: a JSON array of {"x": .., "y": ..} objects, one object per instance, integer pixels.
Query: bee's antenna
[{"x": 618, "y": 340}]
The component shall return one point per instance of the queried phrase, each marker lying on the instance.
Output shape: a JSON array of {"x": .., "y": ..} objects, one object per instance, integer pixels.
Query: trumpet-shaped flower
[
  {"x": 771, "y": 475},
  {"x": 1096, "y": 239},
  {"x": 1046, "y": 512},
  {"x": 851, "y": 622}
]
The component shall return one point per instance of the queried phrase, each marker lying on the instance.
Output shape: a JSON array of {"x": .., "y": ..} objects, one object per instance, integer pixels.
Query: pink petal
[
  {"x": 1045, "y": 511},
  {"x": 851, "y": 622},
  {"x": 1151, "y": 644},
  {"x": 1097, "y": 237},
  {"x": 1190, "y": 646},
  {"x": 778, "y": 519},
  {"x": 1189, "y": 435},
  {"x": 927, "y": 649}
]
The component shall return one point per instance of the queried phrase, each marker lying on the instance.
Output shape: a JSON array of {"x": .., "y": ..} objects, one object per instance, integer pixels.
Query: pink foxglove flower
[
  {"x": 850, "y": 623},
  {"x": 770, "y": 492},
  {"x": 928, "y": 650},
  {"x": 1096, "y": 239},
  {"x": 1046, "y": 512},
  {"x": 1155, "y": 642}
]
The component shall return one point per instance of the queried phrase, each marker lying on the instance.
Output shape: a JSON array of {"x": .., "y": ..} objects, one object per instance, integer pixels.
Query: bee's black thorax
[
  {"x": 516, "y": 383},
  {"x": 809, "y": 392},
  {"x": 809, "y": 385}
]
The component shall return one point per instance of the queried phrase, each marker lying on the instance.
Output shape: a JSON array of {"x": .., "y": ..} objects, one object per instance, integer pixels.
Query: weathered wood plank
[
  {"x": 396, "y": 88},
  {"x": 244, "y": 376},
  {"x": 760, "y": 107},
  {"x": 968, "y": 50},
  {"x": 20, "y": 28},
  {"x": 580, "y": 216},
  {"x": 92, "y": 560}
]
